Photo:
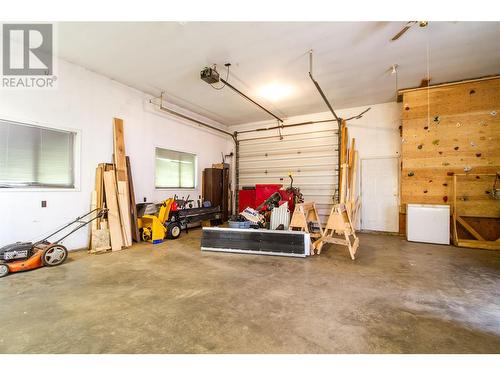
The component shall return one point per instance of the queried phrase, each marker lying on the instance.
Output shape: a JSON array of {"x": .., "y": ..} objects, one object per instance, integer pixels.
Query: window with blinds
[
  {"x": 174, "y": 169},
  {"x": 32, "y": 156}
]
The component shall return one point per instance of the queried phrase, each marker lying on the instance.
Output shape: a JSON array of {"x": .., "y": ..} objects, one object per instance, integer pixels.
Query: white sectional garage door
[{"x": 309, "y": 152}]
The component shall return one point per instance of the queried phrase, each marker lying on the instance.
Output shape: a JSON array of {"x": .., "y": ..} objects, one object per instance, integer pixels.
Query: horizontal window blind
[
  {"x": 174, "y": 169},
  {"x": 32, "y": 156}
]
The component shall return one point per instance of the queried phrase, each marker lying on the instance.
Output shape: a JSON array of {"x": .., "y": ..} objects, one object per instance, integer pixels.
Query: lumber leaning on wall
[
  {"x": 115, "y": 229},
  {"x": 133, "y": 208},
  {"x": 122, "y": 180},
  {"x": 344, "y": 139}
]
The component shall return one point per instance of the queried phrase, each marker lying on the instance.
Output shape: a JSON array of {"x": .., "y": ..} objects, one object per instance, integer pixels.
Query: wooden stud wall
[{"x": 447, "y": 130}]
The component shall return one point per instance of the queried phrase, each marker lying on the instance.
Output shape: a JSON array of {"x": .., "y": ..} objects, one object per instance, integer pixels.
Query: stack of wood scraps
[
  {"x": 100, "y": 238},
  {"x": 114, "y": 190}
]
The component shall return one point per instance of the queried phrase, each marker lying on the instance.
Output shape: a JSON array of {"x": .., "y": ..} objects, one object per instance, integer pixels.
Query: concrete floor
[{"x": 397, "y": 297}]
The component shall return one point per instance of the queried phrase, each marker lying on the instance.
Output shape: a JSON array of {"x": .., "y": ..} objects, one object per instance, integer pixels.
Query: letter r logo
[{"x": 27, "y": 49}]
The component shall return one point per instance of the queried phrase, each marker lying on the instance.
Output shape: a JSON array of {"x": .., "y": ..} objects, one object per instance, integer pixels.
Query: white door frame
[{"x": 398, "y": 158}]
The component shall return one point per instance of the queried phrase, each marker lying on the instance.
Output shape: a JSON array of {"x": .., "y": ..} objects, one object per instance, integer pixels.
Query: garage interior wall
[
  {"x": 86, "y": 102},
  {"x": 376, "y": 133},
  {"x": 453, "y": 129}
]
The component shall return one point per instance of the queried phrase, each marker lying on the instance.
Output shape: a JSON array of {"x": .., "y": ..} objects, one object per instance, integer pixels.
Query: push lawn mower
[{"x": 23, "y": 256}]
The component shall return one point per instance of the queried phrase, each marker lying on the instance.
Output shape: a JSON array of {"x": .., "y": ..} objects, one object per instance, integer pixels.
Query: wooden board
[
  {"x": 122, "y": 180},
  {"x": 445, "y": 84},
  {"x": 133, "y": 208},
  {"x": 99, "y": 184},
  {"x": 99, "y": 189},
  {"x": 100, "y": 241},
  {"x": 451, "y": 100},
  {"x": 459, "y": 222},
  {"x": 352, "y": 175},
  {"x": 119, "y": 150},
  {"x": 474, "y": 244},
  {"x": 343, "y": 156},
  {"x": 466, "y": 134},
  {"x": 343, "y": 183},
  {"x": 351, "y": 152},
  {"x": 344, "y": 140},
  {"x": 470, "y": 229},
  {"x": 114, "y": 224},
  {"x": 124, "y": 208}
]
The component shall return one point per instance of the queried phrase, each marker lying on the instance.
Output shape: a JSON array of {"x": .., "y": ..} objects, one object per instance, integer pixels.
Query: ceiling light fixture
[{"x": 275, "y": 91}]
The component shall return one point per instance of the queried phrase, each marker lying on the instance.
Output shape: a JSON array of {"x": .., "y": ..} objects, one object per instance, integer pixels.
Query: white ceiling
[{"x": 351, "y": 60}]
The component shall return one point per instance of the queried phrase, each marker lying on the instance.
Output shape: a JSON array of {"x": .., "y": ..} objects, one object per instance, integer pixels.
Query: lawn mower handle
[{"x": 100, "y": 213}]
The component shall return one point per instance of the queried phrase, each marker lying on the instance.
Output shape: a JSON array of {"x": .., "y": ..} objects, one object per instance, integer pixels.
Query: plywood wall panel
[
  {"x": 451, "y": 100},
  {"x": 465, "y": 135}
]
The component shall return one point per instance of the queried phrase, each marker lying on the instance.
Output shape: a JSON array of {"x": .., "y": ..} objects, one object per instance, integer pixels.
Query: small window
[
  {"x": 33, "y": 156},
  {"x": 174, "y": 169}
]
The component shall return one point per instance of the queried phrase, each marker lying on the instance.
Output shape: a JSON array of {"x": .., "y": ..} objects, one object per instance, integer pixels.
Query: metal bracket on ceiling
[
  {"x": 318, "y": 87},
  {"x": 226, "y": 83},
  {"x": 280, "y": 128},
  {"x": 358, "y": 116}
]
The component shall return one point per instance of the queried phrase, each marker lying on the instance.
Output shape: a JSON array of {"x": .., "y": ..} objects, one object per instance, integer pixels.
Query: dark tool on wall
[
  {"x": 224, "y": 157},
  {"x": 23, "y": 256}
]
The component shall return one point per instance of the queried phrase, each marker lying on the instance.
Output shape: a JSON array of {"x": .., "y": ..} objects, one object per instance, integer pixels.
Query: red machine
[
  {"x": 264, "y": 191},
  {"x": 255, "y": 197},
  {"x": 246, "y": 198}
]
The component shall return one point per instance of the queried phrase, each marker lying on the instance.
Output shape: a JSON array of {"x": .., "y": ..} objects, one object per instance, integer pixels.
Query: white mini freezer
[{"x": 428, "y": 223}]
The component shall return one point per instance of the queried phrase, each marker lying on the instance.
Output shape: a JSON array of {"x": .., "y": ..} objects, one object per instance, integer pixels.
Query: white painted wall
[
  {"x": 376, "y": 133},
  {"x": 87, "y": 102}
]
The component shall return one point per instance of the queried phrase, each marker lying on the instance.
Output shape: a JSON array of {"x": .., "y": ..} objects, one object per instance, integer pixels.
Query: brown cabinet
[
  {"x": 216, "y": 188},
  {"x": 212, "y": 186}
]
